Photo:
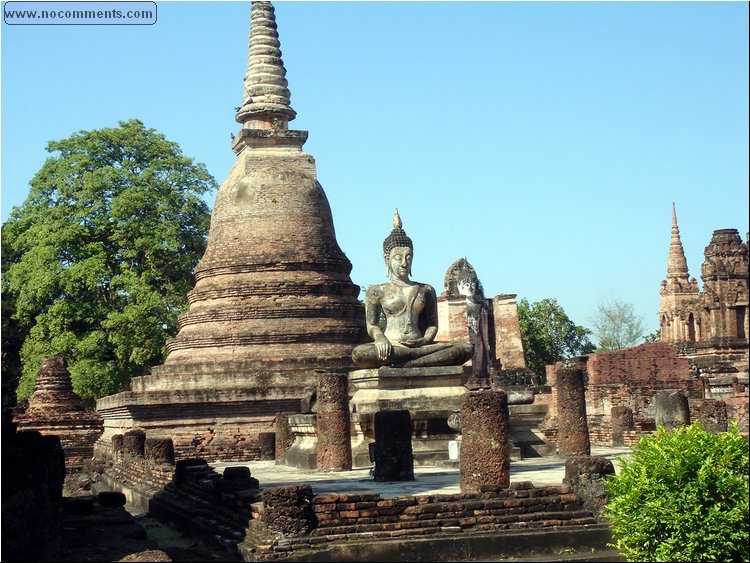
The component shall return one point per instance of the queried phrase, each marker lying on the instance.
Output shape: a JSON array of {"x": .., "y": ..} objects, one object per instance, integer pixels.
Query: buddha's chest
[{"x": 403, "y": 300}]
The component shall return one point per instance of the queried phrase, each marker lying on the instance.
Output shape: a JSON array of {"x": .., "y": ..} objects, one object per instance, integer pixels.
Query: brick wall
[
  {"x": 351, "y": 517},
  {"x": 77, "y": 432},
  {"x": 626, "y": 378}
]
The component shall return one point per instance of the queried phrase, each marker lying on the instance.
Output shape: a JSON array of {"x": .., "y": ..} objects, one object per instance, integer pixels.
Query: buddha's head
[{"x": 398, "y": 251}]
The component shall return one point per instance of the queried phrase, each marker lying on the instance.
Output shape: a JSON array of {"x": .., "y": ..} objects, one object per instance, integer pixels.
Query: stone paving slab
[{"x": 548, "y": 470}]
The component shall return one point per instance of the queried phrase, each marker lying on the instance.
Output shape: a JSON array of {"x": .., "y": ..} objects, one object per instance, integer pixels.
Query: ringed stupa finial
[
  {"x": 676, "y": 263},
  {"x": 266, "y": 100}
]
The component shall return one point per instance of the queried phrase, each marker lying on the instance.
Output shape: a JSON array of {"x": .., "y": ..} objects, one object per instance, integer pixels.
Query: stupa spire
[
  {"x": 266, "y": 100},
  {"x": 676, "y": 263}
]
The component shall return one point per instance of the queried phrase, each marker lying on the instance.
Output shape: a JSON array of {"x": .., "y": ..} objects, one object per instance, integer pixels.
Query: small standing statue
[
  {"x": 476, "y": 316},
  {"x": 410, "y": 310}
]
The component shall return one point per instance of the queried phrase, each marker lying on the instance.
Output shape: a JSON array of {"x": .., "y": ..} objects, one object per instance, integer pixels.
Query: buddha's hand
[
  {"x": 413, "y": 342},
  {"x": 384, "y": 348}
]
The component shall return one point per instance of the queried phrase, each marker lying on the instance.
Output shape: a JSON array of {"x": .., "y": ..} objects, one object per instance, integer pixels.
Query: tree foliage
[
  {"x": 616, "y": 325},
  {"x": 548, "y": 335},
  {"x": 98, "y": 260},
  {"x": 682, "y": 497}
]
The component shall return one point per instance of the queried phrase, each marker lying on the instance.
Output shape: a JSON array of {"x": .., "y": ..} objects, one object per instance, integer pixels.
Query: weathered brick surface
[
  {"x": 134, "y": 443},
  {"x": 485, "y": 444},
  {"x": 672, "y": 409},
  {"x": 653, "y": 362},
  {"x": 585, "y": 476},
  {"x": 334, "y": 450},
  {"x": 737, "y": 409},
  {"x": 351, "y": 517},
  {"x": 284, "y": 435},
  {"x": 713, "y": 415},
  {"x": 572, "y": 429},
  {"x": 159, "y": 450},
  {"x": 288, "y": 510}
]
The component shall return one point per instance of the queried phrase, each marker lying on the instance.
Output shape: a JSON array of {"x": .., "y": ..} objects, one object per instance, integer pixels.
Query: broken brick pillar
[
  {"x": 334, "y": 449},
  {"x": 713, "y": 415},
  {"x": 672, "y": 409},
  {"x": 485, "y": 442},
  {"x": 572, "y": 425},
  {"x": 394, "y": 457},
  {"x": 159, "y": 450},
  {"x": 284, "y": 436},
  {"x": 586, "y": 477},
  {"x": 117, "y": 448},
  {"x": 133, "y": 443},
  {"x": 288, "y": 510},
  {"x": 622, "y": 420},
  {"x": 267, "y": 444}
]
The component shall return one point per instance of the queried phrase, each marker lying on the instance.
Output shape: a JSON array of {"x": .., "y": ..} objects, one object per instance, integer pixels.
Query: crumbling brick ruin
[
  {"x": 505, "y": 332},
  {"x": 709, "y": 326},
  {"x": 55, "y": 410}
]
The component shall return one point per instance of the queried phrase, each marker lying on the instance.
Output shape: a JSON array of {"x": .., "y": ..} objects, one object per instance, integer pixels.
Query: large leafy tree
[
  {"x": 616, "y": 325},
  {"x": 548, "y": 335},
  {"x": 98, "y": 260}
]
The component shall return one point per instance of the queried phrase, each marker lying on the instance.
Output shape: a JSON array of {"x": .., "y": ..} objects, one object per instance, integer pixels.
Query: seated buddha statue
[{"x": 410, "y": 312}]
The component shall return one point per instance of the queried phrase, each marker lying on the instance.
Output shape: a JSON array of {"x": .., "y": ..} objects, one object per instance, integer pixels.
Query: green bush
[{"x": 682, "y": 497}]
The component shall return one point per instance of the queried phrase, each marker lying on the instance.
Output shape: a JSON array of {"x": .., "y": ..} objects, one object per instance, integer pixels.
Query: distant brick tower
[
  {"x": 273, "y": 299},
  {"x": 710, "y": 326},
  {"x": 678, "y": 295}
]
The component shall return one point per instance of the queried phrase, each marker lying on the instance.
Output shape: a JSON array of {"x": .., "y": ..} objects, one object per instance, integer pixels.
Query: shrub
[{"x": 682, "y": 497}]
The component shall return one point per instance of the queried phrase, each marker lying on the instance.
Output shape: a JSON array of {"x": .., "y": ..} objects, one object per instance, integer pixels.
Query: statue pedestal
[{"x": 429, "y": 394}]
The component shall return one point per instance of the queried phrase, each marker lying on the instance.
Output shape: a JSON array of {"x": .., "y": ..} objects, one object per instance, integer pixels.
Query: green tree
[
  {"x": 98, "y": 260},
  {"x": 616, "y": 325},
  {"x": 682, "y": 497},
  {"x": 548, "y": 335},
  {"x": 653, "y": 336}
]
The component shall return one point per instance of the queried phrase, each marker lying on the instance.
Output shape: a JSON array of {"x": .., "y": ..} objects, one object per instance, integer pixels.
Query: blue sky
[{"x": 544, "y": 141}]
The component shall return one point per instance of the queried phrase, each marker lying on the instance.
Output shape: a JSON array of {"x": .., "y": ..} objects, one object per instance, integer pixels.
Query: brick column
[
  {"x": 284, "y": 436},
  {"x": 394, "y": 458},
  {"x": 267, "y": 444},
  {"x": 485, "y": 442},
  {"x": 159, "y": 450},
  {"x": 288, "y": 510},
  {"x": 585, "y": 475},
  {"x": 117, "y": 449},
  {"x": 133, "y": 443},
  {"x": 572, "y": 425},
  {"x": 622, "y": 420},
  {"x": 334, "y": 450},
  {"x": 713, "y": 415},
  {"x": 672, "y": 409}
]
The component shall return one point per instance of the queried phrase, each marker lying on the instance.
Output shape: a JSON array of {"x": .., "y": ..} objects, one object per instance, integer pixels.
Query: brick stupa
[
  {"x": 272, "y": 300},
  {"x": 55, "y": 410}
]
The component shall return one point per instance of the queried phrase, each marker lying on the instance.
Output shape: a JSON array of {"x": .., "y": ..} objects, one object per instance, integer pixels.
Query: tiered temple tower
[
  {"x": 678, "y": 294},
  {"x": 710, "y": 326},
  {"x": 273, "y": 299}
]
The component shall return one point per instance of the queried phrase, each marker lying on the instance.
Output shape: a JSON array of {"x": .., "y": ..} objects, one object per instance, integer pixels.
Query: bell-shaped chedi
[
  {"x": 272, "y": 292},
  {"x": 54, "y": 409},
  {"x": 53, "y": 391},
  {"x": 273, "y": 299}
]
